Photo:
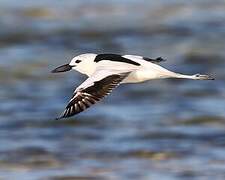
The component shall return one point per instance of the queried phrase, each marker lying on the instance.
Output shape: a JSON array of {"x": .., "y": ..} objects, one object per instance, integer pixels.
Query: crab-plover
[{"x": 106, "y": 71}]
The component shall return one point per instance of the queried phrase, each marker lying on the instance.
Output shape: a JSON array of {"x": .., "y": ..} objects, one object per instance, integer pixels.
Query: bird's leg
[{"x": 195, "y": 76}]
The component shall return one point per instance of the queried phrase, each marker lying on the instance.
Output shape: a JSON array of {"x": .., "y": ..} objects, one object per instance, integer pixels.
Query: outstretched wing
[
  {"x": 156, "y": 60},
  {"x": 92, "y": 90}
]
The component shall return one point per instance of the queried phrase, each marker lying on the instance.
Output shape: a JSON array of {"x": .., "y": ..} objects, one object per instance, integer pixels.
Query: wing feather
[
  {"x": 90, "y": 92},
  {"x": 135, "y": 57}
]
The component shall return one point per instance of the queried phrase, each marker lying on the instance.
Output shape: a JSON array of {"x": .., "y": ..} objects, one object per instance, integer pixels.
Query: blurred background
[{"x": 164, "y": 129}]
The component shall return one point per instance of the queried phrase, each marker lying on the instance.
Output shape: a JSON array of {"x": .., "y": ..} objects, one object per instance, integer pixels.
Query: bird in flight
[{"x": 106, "y": 71}]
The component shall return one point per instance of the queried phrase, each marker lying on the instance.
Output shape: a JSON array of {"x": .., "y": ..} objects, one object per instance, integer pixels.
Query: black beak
[{"x": 62, "y": 68}]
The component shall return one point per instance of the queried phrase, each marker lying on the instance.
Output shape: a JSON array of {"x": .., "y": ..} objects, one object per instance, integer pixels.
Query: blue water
[{"x": 162, "y": 129}]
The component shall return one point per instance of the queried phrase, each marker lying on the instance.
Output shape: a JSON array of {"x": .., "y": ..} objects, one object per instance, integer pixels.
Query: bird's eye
[{"x": 78, "y": 61}]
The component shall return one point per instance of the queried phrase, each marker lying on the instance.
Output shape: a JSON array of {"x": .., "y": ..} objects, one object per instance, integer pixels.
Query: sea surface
[{"x": 162, "y": 129}]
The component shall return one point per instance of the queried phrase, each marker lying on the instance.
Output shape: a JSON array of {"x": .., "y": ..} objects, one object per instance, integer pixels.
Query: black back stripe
[{"x": 114, "y": 57}]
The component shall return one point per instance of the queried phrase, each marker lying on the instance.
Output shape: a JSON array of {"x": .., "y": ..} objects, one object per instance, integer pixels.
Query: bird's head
[{"x": 83, "y": 63}]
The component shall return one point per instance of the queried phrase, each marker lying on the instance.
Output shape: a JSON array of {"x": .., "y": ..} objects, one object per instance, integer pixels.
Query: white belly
[
  {"x": 146, "y": 74},
  {"x": 135, "y": 77}
]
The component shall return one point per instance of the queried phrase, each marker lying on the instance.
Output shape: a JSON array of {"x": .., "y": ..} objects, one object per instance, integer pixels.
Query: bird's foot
[{"x": 203, "y": 77}]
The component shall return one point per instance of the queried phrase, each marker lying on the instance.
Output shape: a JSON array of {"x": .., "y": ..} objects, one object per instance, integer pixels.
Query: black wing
[
  {"x": 152, "y": 60},
  {"x": 156, "y": 60},
  {"x": 83, "y": 98}
]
